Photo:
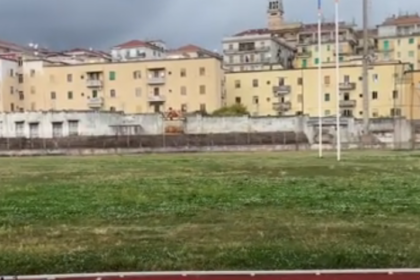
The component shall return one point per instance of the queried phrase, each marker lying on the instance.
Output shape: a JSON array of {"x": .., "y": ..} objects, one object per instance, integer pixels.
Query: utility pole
[{"x": 366, "y": 60}]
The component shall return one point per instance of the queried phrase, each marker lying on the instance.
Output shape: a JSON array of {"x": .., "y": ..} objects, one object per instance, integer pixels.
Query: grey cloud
[{"x": 104, "y": 23}]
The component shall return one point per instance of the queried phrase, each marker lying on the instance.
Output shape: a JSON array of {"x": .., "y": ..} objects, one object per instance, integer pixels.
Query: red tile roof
[
  {"x": 136, "y": 44},
  {"x": 402, "y": 20},
  {"x": 196, "y": 49}
]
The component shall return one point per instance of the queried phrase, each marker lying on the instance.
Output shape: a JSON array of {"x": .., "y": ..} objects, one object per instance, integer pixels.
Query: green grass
[{"x": 208, "y": 212}]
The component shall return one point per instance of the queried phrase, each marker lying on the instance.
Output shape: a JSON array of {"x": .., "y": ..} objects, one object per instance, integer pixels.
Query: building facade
[
  {"x": 294, "y": 92},
  {"x": 253, "y": 52},
  {"x": 399, "y": 39},
  {"x": 184, "y": 85}
]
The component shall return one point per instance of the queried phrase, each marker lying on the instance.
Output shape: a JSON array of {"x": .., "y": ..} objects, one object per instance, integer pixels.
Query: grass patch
[{"x": 209, "y": 212}]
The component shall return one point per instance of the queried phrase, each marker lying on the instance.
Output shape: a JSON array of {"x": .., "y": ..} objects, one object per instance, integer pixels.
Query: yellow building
[
  {"x": 182, "y": 84},
  {"x": 399, "y": 38},
  {"x": 291, "y": 92}
]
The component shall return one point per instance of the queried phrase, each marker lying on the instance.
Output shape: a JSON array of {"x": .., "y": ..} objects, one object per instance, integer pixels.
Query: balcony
[
  {"x": 347, "y": 103},
  {"x": 281, "y": 90},
  {"x": 95, "y": 102},
  {"x": 347, "y": 86},
  {"x": 90, "y": 83},
  {"x": 304, "y": 54},
  {"x": 156, "y": 80},
  {"x": 257, "y": 49},
  {"x": 282, "y": 106},
  {"x": 156, "y": 98}
]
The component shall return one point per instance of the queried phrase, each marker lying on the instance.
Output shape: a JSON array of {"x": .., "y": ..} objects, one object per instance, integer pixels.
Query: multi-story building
[
  {"x": 183, "y": 84},
  {"x": 399, "y": 39},
  {"x": 307, "y": 44},
  {"x": 254, "y": 52},
  {"x": 139, "y": 50},
  {"x": 294, "y": 92}
]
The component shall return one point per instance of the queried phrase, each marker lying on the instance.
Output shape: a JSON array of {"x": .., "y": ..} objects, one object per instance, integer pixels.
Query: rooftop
[{"x": 408, "y": 19}]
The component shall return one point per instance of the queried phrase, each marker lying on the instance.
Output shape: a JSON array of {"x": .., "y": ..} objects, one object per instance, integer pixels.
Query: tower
[{"x": 275, "y": 14}]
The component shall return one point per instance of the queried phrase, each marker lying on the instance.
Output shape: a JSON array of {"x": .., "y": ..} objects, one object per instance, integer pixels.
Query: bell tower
[{"x": 275, "y": 14}]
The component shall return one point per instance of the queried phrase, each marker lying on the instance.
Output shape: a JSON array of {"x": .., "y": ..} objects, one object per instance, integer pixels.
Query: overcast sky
[{"x": 103, "y": 23}]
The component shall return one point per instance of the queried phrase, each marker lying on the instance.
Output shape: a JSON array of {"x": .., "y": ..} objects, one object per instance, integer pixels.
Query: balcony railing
[
  {"x": 347, "y": 103},
  {"x": 156, "y": 80},
  {"x": 347, "y": 86},
  {"x": 95, "y": 102},
  {"x": 282, "y": 106},
  {"x": 156, "y": 98},
  {"x": 91, "y": 83},
  {"x": 303, "y": 54},
  {"x": 281, "y": 90},
  {"x": 257, "y": 49}
]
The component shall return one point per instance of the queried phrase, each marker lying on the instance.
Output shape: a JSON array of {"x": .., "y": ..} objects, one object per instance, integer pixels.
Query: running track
[{"x": 385, "y": 274}]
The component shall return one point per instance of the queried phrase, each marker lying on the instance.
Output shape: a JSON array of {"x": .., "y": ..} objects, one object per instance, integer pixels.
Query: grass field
[{"x": 209, "y": 211}]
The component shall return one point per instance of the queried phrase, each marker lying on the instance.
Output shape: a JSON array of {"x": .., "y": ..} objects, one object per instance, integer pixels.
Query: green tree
[{"x": 233, "y": 110}]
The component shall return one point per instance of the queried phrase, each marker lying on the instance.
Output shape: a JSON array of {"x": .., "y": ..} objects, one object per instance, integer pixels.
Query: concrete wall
[{"x": 382, "y": 131}]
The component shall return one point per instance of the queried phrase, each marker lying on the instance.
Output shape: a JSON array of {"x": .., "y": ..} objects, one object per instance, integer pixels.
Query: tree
[{"x": 233, "y": 110}]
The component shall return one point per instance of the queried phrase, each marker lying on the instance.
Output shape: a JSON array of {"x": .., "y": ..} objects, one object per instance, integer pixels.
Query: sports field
[{"x": 208, "y": 212}]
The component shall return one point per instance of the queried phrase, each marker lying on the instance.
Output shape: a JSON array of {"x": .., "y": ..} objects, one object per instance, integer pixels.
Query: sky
[{"x": 61, "y": 24}]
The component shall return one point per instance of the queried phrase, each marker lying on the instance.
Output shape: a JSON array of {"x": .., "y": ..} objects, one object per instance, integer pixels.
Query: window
[
  {"x": 386, "y": 45},
  {"x": 183, "y": 90},
  {"x": 184, "y": 108},
  {"x": 12, "y": 107},
  {"x": 94, "y": 93},
  {"x": 347, "y": 79},
  {"x": 375, "y": 77},
  {"x": 237, "y": 100},
  {"x": 112, "y": 76},
  {"x": 138, "y": 92},
  {"x": 20, "y": 78},
  {"x": 156, "y": 91},
  {"x": 255, "y": 100},
  {"x": 19, "y": 129},
  {"x": 202, "y": 89},
  {"x": 137, "y": 75},
  {"x": 73, "y": 127},
  {"x": 411, "y": 41},
  {"x": 395, "y": 94},
  {"x": 183, "y": 72},
  {"x": 327, "y": 112},
  {"x": 21, "y": 95},
  {"x": 34, "y": 130},
  {"x": 347, "y": 113},
  {"x": 32, "y": 73},
  {"x": 300, "y": 81},
  {"x": 11, "y": 73},
  {"x": 341, "y": 58},
  {"x": 395, "y": 112},
  {"x": 326, "y": 97},
  {"x": 203, "y": 108},
  {"x": 281, "y": 81},
  {"x": 411, "y": 53},
  {"x": 374, "y": 95},
  {"x": 69, "y": 78},
  {"x": 255, "y": 83},
  {"x": 70, "y": 95},
  {"x": 57, "y": 129},
  {"x": 237, "y": 84},
  {"x": 53, "y": 95},
  {"x": 328, "y": 47},
  {"x": 112, "y": 109},
  {"x": 12, "y": 90},
  {"x": 327, "y": 80},
  {"x": 112, "y": 93},
  {"x": 317, "y": 61},
  {"x": 300, "y": 98},
  {"x": 304, "y": 63},
  {"x": 202, "y": 71}
]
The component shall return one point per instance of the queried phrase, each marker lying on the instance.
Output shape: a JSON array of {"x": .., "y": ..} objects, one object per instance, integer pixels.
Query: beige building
[
  {"x": 294, "y": 92},
  {"x": 399, "y": 39},
  {"x": 187, "y": 85}
]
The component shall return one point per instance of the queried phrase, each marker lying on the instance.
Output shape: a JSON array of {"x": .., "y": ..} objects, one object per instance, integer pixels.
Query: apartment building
[
  {"x": 307, "y": 44},
  {"x": 399, "y": 39},
  {"x": 253, "y": 52},
  {"x": 11, "y": 94},
  {"x": 294, "y": 92},
  {"x": 185, "y": 85},
  {"x": 139, "y": 50}
]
